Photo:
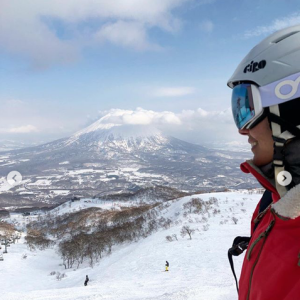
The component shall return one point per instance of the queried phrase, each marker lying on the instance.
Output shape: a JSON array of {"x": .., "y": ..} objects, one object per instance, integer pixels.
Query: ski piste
[{"x": 131, "y": 267}]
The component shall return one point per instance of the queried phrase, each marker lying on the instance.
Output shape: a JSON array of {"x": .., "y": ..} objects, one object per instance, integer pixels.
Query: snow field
[{"x": 199, "y": 268}]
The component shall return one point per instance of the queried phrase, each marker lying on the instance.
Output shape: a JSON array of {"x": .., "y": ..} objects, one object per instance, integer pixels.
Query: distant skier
[
  {"x": 167, "y": 266},
  {"x": 86, "y": 280}
]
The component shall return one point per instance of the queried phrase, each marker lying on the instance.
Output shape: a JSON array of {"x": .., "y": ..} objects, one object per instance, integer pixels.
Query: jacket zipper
[{"x": 264, "y": 236}]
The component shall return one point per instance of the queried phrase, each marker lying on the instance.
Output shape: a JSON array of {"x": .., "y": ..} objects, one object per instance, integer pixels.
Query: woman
[{"x": 270, "y": 74}]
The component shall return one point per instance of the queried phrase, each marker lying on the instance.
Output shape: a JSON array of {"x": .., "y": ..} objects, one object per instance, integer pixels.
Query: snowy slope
[
  {"x": 199, "y": 268},
  {"x": 71, "y": 207}
]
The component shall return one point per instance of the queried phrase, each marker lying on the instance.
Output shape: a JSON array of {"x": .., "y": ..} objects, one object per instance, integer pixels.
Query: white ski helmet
[
  {"x": 274, "y": 58},
  {"x": 266, "y": 84}
]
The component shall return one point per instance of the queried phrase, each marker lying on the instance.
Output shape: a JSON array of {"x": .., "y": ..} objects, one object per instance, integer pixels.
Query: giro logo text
[
  {"x": 255, "y": 66},
  {"x": 294, "y": 87}
]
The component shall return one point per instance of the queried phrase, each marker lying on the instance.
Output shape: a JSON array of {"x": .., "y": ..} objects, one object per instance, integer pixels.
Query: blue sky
[{"x": 64, "y": 64}]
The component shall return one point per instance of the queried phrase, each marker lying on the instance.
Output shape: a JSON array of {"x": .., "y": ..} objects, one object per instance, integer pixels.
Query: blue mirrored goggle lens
[{"x": 242, "y": 105}]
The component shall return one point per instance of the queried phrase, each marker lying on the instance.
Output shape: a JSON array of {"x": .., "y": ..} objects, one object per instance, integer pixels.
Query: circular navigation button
[
  {"x": 14, "y": 177},
  {"x": 284, "y": 178}
]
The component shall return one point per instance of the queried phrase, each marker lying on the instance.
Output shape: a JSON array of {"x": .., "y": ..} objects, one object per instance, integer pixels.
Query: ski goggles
[
  {"x": 246, "y": 105},
  {"x": 248, "y": 101}
]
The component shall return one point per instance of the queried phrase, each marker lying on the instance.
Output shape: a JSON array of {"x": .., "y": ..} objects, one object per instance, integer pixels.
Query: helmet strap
[
  {"x": 294, "y": 130},
  {"x": 279, "y": 146}
]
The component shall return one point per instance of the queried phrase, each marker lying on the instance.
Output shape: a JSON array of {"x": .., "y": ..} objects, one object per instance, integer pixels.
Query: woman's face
[{"x": 260, "y": 138}]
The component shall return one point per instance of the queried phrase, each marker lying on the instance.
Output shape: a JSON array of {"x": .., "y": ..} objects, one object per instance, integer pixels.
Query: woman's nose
[{"x": 244, "y": 131}]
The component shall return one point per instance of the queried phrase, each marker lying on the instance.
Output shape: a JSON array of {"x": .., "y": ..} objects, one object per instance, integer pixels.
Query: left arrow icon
[{"x": 14, "y": 177}]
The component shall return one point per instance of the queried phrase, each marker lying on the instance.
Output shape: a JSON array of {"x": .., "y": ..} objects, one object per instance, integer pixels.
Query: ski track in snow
[{"x": 199, "y": 268}]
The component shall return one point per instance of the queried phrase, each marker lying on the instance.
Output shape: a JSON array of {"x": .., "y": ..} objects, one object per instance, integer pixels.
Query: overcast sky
[{"x": 63, "y": 64}]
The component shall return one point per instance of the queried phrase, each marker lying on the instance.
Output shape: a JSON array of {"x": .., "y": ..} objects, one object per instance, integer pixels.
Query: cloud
[
  {"x": 35, "y": 120},
  {"x": 125, "y": 34},
  {"x": 292, "y": 19},
  {"x": 187, "y": 119},
  {"x": 196, "y": 126},
  {"x": 12, "y": 103},
  {"x": 174, "y": 91},
  {"x": 207, "y": 26},
  {"x": 200, "y": 117},
  {"x": 30, "y": 28},
  {"x": 138, "y": 117},
  {"x": 206, "y": 127},
  {"x": 21, "y": 129}
]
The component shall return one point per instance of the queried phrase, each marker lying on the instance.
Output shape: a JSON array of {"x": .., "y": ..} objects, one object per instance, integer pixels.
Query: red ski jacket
[{"x": 271, "y": 268}]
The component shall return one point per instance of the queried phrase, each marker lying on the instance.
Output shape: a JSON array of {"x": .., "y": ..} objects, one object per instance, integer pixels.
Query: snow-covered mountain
[
  {"x": 107, "y": 158},
  {"x": 127, "y": 137},
  {"x": 110, "y": 140}
]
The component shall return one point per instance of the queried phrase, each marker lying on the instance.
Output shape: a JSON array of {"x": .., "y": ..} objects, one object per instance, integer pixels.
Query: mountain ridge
[{"x": 117, "y": 159}]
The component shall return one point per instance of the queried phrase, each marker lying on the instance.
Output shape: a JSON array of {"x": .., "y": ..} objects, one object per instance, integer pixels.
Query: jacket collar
[
  {"x": 269, "y": 184},
  {"x": 289, "y": 205}
]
